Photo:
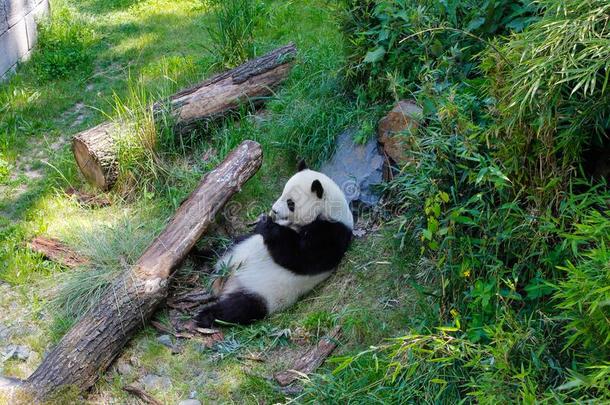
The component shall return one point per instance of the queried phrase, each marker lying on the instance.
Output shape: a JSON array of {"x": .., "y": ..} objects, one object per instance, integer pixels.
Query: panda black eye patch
[{"x": 290, "y": 204}]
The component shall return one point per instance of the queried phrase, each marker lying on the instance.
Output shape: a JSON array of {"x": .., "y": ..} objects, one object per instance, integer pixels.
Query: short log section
[{"x": 96, "y": 155}]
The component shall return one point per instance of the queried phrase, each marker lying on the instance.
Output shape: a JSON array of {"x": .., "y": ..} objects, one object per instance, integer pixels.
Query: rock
[
  {"x": 5, "y": 332},
  {"x": 189, "y": 402},
  {"x": 193, "y": 394},
  {"x": 22, "y": 353},
  {"x": 356, "y": 168},
  {"x": 123, "y": 367},
  {"x": 155, "y": 382},
  {"x": 166, "y": 340},
  {"x": 16, "y": 352},
  {"x": 394, "y": 128}
]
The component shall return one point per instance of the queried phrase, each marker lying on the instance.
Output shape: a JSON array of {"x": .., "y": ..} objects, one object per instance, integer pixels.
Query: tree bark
[
  {"x": 250, "y": 82},
  {"x": 254, "y": 81},
  {"x": 98, "y": 338}
]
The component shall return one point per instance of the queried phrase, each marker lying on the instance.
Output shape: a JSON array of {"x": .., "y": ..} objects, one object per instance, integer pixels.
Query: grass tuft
[
  {"x": 66, "y": 45},
  {"x": 232, "y": 34}
]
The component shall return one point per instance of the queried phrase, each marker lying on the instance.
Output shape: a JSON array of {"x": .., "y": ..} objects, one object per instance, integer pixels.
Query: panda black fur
[{"x": 290, "y": 251}]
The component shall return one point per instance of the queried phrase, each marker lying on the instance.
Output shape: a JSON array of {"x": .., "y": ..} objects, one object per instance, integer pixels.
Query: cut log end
[{"x": 95, "y": 156}]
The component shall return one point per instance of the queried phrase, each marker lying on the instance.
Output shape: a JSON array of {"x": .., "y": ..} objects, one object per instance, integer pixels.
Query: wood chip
[
  {"x": 143, "y": 395},
  {"x": 311, "y": 360},
  {"x": 258, "y": 357},
  {"x": 55, "y": 250}
]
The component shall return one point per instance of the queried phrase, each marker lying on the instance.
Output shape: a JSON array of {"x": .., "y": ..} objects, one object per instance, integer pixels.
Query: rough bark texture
[
  {"x": 98, "y": 338},
  {"x": 251, "y": 82},
  {"x": 95, "y": 153},
  {"x": 311, "y": 360},
  {"x": 54, "y": 250}
]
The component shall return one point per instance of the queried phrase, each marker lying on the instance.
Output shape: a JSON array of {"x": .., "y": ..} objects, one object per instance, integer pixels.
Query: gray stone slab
[
  {"x": 16, "y": 10},
  {"x": 4, "y": 77},
  {"x": 32, "y": 19},
  {"x": 3, "y": 19},
  {"x": 32, "y": 32},
  {"x": 13, "y": 46},
  {"x": 356, "y": 168}
]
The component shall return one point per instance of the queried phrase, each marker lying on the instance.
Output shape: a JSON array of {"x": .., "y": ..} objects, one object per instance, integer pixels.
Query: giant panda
[{"x": 291, "y": 250}]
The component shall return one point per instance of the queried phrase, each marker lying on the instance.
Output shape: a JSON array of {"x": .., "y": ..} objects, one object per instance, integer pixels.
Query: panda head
[{"x": 311, "y": 195}]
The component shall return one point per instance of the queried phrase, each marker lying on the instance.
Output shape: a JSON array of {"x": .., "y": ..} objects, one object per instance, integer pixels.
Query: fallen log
[
  {"x": 95, "y": 149},
  {"x": 311, "y": 360},
  {"x": 99, "y": 336},
  {"x": 55, "y": 250}
]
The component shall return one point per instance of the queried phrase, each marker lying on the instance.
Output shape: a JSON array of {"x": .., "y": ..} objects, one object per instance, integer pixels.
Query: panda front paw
[{"x": 265, "y": 225}]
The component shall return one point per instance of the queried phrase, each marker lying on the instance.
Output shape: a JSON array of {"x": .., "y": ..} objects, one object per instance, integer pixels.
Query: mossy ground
[{"x": 159, "y": 46}]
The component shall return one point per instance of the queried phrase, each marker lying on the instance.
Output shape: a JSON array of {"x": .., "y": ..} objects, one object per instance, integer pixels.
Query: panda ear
[
  {"x": 316, "y": 187},
  {"x": 301, "y": 165}
]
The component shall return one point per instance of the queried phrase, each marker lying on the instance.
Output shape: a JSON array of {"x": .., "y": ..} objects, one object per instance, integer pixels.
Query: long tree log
[
  {"x": 95, "y": 149},
  {"x": 99, "y": 336}
]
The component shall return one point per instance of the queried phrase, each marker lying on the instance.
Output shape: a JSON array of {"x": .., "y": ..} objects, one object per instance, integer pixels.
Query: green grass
[{"x": 142, "y": 51}]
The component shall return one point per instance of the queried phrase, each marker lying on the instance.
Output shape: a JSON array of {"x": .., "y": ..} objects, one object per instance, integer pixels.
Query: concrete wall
[{"x": 18, "y": 31}]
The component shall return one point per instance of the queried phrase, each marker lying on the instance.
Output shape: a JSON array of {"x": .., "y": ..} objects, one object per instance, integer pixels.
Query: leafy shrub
[
  {"x": 494, "y": 249},
  {"x": 440, "y": 368},
  {"x": 551, "y": 81},
  {"x": 65, "y": 44},
  {"x": 392, "y": 43},
  {"x": 232, "y": 35},
  {"x": 583, "y": 295},
  {"x": 409, "y": 369},
  {"x": 515, "y": 235}
]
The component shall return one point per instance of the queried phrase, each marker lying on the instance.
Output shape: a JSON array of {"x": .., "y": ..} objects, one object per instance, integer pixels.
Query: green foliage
[
  {"x": 551, "y": 82},
  {"x": 5, "y": 170},
  {"x": 65, "y": 45},
  {"x": 583, "y": 295},
  {"x": 514, "y": 235},
  {"x": 409, "y": 369},
  {"x": 232, "y": 35},
  {"x": 392, "y": 43}
]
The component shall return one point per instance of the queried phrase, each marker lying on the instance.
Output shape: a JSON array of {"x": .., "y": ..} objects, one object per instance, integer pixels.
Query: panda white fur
[{"x": 290, "y": 251}]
